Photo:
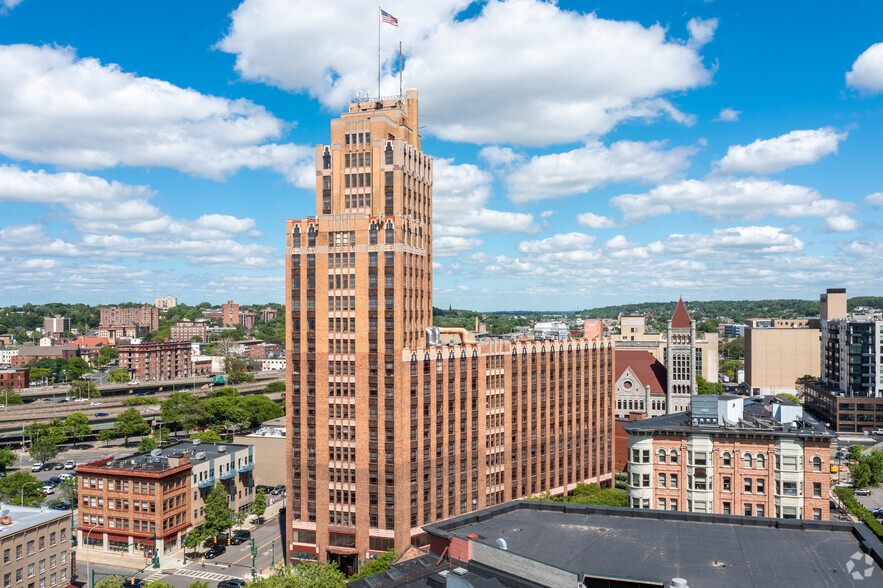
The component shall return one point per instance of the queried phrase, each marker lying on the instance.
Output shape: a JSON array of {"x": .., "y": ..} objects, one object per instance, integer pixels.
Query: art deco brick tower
[{"x": 388, "y": 429}]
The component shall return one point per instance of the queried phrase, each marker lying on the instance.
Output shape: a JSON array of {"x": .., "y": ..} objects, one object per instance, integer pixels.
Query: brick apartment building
[
  {"x": 185, "y": 330},
  {"x": 389, "y": 429},
  {"x": 17, "y": 378},
  {"x": 732, "y": 455},
  {"x": 146, "y": 317},
  {"x": 247, "y": 319},
  {"x": 127, "y": 500},
  {"x": 156, "y": 361},
  {"x": 230, "y": 314},
  {"x": 35, "y": 546},
  {"x": 268, "y": 314},
  {"x": 30, "y": 354}
]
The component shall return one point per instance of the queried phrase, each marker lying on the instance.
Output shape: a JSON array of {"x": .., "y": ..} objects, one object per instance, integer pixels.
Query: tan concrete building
[
  {"x": 731, "y": 455},
  {"x": 776, "y": 356},
  {"x": 35, "y": 547},
  {"x": 389, "y": 429},
  {"x": 269, "y": 445},
  {"x": 165, "y": 302}
]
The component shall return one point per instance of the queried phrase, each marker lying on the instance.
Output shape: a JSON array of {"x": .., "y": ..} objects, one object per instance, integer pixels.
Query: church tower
[{"x": 680, "y": 360}]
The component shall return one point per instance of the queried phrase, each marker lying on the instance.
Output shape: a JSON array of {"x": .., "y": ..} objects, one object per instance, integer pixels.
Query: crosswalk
[{"x": 203, "y": 575}]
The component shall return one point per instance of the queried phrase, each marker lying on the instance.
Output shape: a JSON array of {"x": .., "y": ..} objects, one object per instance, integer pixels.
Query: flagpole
[
  {"x": 400, "y": 70},
  {"x": 379, "y": 23}
]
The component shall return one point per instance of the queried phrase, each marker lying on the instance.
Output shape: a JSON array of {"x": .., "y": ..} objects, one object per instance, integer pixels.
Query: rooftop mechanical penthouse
[{"x": 389, "y": 429}]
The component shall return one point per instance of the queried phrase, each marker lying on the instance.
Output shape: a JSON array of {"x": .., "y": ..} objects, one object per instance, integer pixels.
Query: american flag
[{"x": 388, "y": 18}]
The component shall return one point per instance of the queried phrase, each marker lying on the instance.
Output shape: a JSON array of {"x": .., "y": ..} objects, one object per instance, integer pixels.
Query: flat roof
[
  {"x": 656, "y": 546},
  {"x": 146, "y": 461},
  {"x": 24, "y": 517}
]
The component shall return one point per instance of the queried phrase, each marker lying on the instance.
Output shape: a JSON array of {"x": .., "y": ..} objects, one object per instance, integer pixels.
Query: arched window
[
  {"x": 673, "y": 455},
  {"x": 390, "y": 233},
  {"x": 326, "y": 159},
  {"x": 661, "y": 455},
  {"x": 726, "y": 459},
  {"x": 817, "y": 464},
  {"x": 747, "y": 460},
  {"x": 761, "y": 462},
  {"x": 372, "y": 234},
  {"x": 295, "y": 237}
]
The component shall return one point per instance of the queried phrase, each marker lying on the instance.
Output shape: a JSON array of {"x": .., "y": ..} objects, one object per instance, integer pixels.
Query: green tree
[
  {"x": 730, "y": 368},
  {"x": 10, "y": 396},
  {"x": 305, "y": 575},
  {"x": 106, "y": 435},
  {"x": 53, "y": 430},
  {"x": 37, "y": 373},
  {"x": 207, "y": 437},
  {"x": 375, "y": 566},
  {"x": 158, "y": 584},
  {"x": 198, "y": 584},
  {"x": 76, "y": 426},
  {"x": 703, "y": 386},
  {"x": 147, "y": 444},
  {"x": 259, "y": 504},
  {"x": 110, "y": 582},
  {"x": 183, "y": 408},
  {"x": 790, "y": 397},
  {"x": 76, "y": 368},
  {"x": 118, "y": 377},
  {"x": 734, "y": 349},
  {"x": 193, "y": 539},
  {"x": 855, "y": 452},
  {"x": 7, "y": 458},
  {"x": 861, "y": 474},
  {"x": 218, "y": 514},
  {"x": 274, "y": 387},
  {"x": 109, "y": 352},
  {"x": 68, "y": 490},
  {"x": 226, "y": 391},
  {"x": 260, "y": 409},
  {"x": 129, "y": 424},
  {"x": 237, "y": 377},
  {"x": 43, "y": 449},
  {"x": 84, "y": 389},
  {"x": 11, "y": 489}
]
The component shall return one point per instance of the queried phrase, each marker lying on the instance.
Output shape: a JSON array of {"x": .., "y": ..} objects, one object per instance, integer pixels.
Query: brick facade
[
  {"x": 18, "y": 379},
  {"x": 156, "y": 361},
  {"x": 388, "y": 432},
  {"x": 146, "y": 317}
]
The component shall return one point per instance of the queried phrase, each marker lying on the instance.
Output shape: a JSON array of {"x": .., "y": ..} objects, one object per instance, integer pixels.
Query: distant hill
[{"x": 736, "y": 310}]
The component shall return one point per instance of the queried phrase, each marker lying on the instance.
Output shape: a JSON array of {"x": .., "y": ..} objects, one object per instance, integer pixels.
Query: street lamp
[
  {"x": 86, "y": 547},
  {"x": 23, "y": 490}
]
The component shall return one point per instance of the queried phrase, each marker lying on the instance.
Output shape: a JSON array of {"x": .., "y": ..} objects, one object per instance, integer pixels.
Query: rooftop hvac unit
[
  {"x": 222, "y": 448},
  {"x": 200, "y": 455},
  {"x": 460, "y": 571},
  {"x": 156, "y": 452},
  {"x": 197, "y": 441}
]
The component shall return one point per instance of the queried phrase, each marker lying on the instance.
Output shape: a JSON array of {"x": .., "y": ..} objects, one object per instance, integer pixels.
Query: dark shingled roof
[
  {"x": 681, "y": 319},
  {"x": 647, "y": 368}
]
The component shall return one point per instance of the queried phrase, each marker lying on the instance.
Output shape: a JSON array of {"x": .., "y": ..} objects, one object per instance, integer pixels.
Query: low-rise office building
[
  {"x": 730, "y": 455},
  {"x": 268, "y": 442},
  {"x": 16, "y": 378},
  {"x": 35, "y": 546},
  {"x": 148, "y": 501}
]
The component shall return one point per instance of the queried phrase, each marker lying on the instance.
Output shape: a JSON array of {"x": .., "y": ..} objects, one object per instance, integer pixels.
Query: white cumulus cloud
[
  {"x": 875, "y": 199},
  {"x": 728, "y": 115},
  {"x": 530, "y": 71},
  {"x": 701, "y": 31},
  {"x": 744, "y": 240},
  {"x": 593, "y": 165},
  {"x": 595, "y": 221},
  {"x": 866, "y": 74},
  {"x": 747, "y": 199},
  {"x": 556, "y": 243},
  {"x": 58, "y": 108},
  {"x": 766, "y": 156}
]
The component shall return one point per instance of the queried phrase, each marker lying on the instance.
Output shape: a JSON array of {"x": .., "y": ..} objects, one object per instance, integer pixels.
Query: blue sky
[{"x": 586, "y": 154}]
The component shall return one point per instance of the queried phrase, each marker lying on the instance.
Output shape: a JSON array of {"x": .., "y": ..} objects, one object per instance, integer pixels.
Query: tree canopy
[
  {"x": 129, "y": 424},
  {"x": 11, "y": 489},
  {"x": 218, "y": 514}
]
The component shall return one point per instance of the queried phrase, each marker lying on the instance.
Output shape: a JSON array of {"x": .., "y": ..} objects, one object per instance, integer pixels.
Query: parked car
[
  {"x": 60, "y": 506},
  {"x": 66, "y": 476},
  {"x": 133, "y": 383},
  {"x": 70, "y": 464},
  {"x": 55, "y": 480},
  {"x": 60, "y": 400},
  {"x": 232, "y": 584},
  {"x": 101, "y": 414},
  {"x": 277, "y": 490},
  {"x": 58, "y": 466},
  {"x": 861, "y": 492},
  {"x": 37, "y": 466},
  {"x": 94, "y": 404},
  {"x": 151, "y": 410},
  {"x": 81, "y": 400},
  {"x": 47, "y": 490},
  {"x": 215, "y": 551}
]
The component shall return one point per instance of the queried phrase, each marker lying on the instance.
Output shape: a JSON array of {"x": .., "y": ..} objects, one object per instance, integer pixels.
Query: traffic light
[
  {"x": 215, "y": 538},
  {"x": 122, "y": 553},
  {"x": 228, "y": 541},
  {"x": 133, "y": 580}
]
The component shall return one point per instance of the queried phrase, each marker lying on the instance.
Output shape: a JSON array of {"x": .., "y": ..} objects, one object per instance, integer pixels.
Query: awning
[{"x": 343, "y": 550}]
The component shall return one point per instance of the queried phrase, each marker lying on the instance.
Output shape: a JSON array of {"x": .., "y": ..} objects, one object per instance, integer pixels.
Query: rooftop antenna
[{"x": 400, "y": 71}]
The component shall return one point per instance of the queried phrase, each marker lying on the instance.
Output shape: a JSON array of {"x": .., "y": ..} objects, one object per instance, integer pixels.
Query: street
[{"x": 235, "y": 563}]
